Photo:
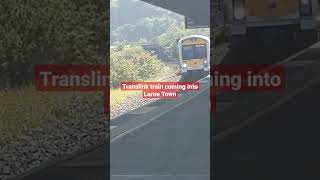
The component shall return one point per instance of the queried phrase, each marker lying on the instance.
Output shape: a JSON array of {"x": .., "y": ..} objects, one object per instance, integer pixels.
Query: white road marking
[
  {"x": 142, "y": 110},
  {"x": 112, "y": 127},
  {"x": 297, "y": 54},
  {"x": 299, "y": 63}
]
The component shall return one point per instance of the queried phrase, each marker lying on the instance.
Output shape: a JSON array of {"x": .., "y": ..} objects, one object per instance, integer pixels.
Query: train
[
  {"x": 291, "y": 24},
  {"x": 194, "y": 55}
]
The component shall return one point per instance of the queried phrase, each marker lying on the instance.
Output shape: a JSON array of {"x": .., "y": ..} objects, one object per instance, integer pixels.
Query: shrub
[
  {"x": 133, "y": 63},
  {"x": 49, "y": 31}
]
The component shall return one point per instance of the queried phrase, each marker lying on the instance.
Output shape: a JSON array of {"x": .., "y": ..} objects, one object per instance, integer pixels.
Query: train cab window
[
  {"x": 200, "y": 51},
  {"x": 187, "y": 52},
  {"x": 194, "y": 52}
]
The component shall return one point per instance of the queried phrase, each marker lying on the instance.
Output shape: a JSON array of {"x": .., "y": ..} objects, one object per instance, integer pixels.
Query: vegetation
[
  {"x": 144, "y": 30},
  {"x": 133, "y": 63},
  {"x": 50, "y": 31},
  {"x": 117, "y": 97},
  {"x": 45, "y": 32}
]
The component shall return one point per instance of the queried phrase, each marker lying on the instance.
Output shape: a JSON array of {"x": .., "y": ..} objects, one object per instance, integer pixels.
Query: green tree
[
  {"x": 133, "y": 63},
  {"x": 146, "y": 28}
]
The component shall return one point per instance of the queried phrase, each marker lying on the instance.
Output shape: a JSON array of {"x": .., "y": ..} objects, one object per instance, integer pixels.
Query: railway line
[{"x": 162, "y": 131}]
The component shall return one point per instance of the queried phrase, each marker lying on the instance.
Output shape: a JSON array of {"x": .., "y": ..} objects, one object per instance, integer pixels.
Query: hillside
[
  {"x": 136, "y": 21},
  {"x": 129, "y": 11}
]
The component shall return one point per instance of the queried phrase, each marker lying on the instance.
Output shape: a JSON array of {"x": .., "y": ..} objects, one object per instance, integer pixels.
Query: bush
[
  {"x": 133, "y": 63},
  {"x": 49, "y": 31}
]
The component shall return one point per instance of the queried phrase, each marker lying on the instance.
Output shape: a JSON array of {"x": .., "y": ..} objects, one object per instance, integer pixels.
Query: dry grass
[
  {"x": 23, "y": 109},
  {"x": 117, "y": 96}
]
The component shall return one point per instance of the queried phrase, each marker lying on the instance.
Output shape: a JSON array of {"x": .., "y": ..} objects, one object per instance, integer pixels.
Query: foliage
[
  {"x": 50, "y": 31},
  {"x": 133, "y": 63},
  {"x": 129, "y": 11},
  {"x": 144, "y": 29},
  {"x": 117, "y": 97}
]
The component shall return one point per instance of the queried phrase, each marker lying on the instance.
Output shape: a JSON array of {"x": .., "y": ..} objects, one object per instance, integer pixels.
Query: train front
[{"x": 194, "y": 52}]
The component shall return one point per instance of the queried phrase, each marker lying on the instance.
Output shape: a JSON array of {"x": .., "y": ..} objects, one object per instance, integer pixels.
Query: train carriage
[{"x": 194, "y": 54}]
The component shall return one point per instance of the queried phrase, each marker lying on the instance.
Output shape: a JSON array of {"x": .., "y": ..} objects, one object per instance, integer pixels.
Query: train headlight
[
  {"x": 205, "y": 63},
  {"x": 305, "y": 8},
  {"x": 239, "y": 11},
  {"x": 184, "y": 65}
]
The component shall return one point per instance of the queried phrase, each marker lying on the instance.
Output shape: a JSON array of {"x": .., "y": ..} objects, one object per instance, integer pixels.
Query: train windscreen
[
  {"x": 187, "y": 52},
  {"x": 200, "y": 51},
  {"x": 194, "y": 52}
]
